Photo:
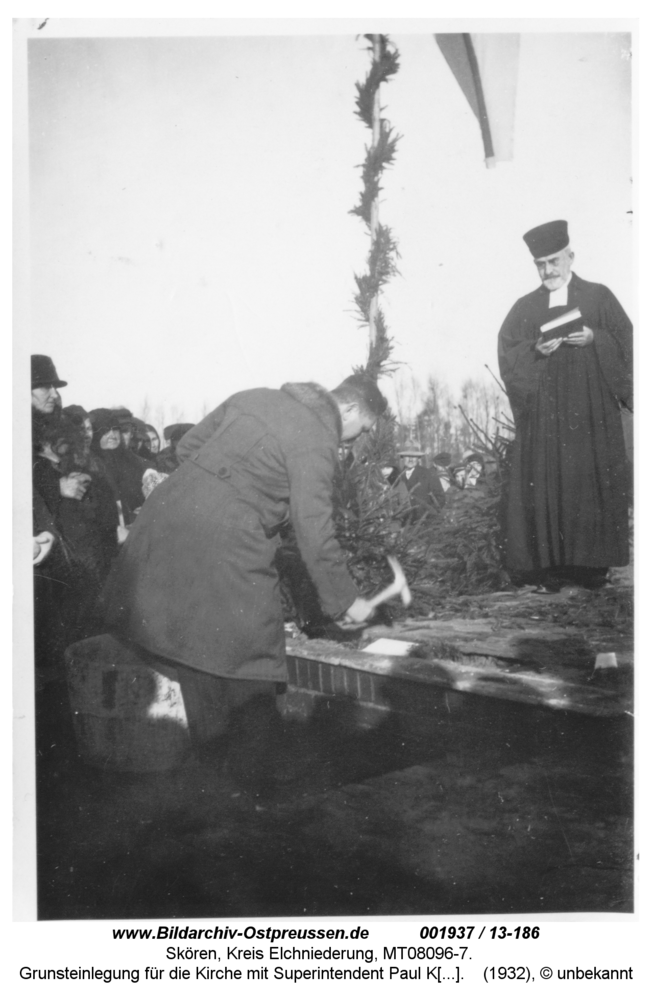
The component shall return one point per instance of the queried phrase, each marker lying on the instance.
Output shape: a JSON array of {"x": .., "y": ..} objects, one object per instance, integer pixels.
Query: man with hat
[
  {"x": 127, "y": 425},
  {"x": 421, "y": 486},
  {"x": 45, "y": 383},
  {"x": 45, "y": 399},
  {"x": 46, "y": 409},
  {"x": 565, "y": 355},
  {"x": 167, "y": 460},
  {"x": 52, "y": 580}
]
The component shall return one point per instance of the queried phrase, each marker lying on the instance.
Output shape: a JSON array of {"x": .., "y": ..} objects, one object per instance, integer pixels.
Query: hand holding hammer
[{"x": 361, "y": 609}]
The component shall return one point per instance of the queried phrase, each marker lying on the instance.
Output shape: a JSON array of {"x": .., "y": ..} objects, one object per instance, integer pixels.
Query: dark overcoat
[
  {"x": 195, "y": 581},
  {"x": 124, "y": 471},
  {"x": 568, "y": 498},
  {"x": 424, "y": 489}
]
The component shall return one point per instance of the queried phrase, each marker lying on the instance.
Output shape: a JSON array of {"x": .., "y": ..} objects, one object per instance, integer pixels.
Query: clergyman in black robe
[{"x": 569, "y": 488}]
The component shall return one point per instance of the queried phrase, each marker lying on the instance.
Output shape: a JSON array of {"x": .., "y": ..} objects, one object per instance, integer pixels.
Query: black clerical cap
[{"x": 551, "y": 237}]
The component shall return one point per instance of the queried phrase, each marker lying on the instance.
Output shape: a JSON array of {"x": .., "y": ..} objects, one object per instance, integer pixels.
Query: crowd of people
[{"x": 91, "y": 473}]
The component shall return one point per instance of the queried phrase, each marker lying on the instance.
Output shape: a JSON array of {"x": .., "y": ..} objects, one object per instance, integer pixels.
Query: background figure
[
  {"x": 46, "y": 403},
  {"x": 473, "y": 468},
  {"x": 153, "y": 443},
  {"x": 441, "y": 465},
  {"x": 86, "y": 522},
  {"x": 565, "y": 355},
  {"x": 50, "y": 571},
  {"x": 123, "y": 469},
  {"x": 98, "y": 504},
  {"x": 127, "y": 425},
  {"x": 167, "y": 460},
  {"x": 420, "y": 485}
]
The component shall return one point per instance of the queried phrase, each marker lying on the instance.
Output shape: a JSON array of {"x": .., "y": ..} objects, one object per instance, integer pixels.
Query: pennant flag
[{"x": 486, "y": 68}]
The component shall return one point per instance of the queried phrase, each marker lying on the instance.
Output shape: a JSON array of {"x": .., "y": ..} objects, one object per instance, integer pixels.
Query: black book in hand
[{"x": 561, "y": 326}]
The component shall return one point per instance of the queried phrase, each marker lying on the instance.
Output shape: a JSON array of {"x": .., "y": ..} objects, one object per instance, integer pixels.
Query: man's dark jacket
[
  {"x": 195, "y": 581},
  {"x": 424, "y": 489}
]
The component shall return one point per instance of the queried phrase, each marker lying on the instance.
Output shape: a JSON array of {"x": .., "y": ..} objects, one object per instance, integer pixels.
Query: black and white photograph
[{"x": 330, "y": 333}]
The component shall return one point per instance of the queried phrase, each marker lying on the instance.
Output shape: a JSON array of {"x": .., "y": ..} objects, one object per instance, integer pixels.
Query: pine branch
[
  {"x": 381, "y": 71},
  {"x": 382, "y": 256},
  {"x": 380, "y": 350},
  {"x": 364, "y": 296},
  {"x": 382, "y": 266},
  {"x": 377, "y": 159}
]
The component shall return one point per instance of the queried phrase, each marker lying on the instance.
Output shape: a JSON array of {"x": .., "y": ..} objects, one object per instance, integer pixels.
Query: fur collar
[{"x": 322, "y": 403}]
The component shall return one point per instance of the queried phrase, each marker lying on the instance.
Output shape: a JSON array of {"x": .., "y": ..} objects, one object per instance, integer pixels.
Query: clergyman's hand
[
  {"x": 581, "y": 339},
  {"x": 546, "y": 347}
]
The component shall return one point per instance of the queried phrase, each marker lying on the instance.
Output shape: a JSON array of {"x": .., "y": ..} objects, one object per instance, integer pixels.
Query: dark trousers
[{"x": 233, "y": 722}]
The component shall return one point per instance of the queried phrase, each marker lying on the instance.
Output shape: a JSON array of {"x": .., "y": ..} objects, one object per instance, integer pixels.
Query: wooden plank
[
  {"x": 527, "y": 686},
  {"x": 484, "y": 639}
]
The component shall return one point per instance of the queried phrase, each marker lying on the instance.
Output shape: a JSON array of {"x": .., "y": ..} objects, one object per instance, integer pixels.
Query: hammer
[{"x": 398, "y": 586}]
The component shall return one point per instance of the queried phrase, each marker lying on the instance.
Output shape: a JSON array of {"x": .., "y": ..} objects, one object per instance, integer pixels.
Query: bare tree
[
  {"x": 145, "y": 411},
  {"x": 443, "y": 421},
  {"x": 437, "y": 420},
  {"x": 482, "y": 403},
  {"x": 409, "y": 400}
]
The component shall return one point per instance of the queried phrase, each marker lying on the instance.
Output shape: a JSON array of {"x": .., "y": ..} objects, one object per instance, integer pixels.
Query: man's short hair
[{"x": 361, "y": 389}]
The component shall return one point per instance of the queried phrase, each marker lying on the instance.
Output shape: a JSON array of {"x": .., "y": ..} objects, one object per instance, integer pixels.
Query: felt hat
[
  {"x": 103, "y": 420},
  {"x": 442, "y": 458},
  {"x": 44, "y": 372},
  {"x": 411, "y": 448},
  {"x": 551, "y": 237},
  {"x": 124, "y": 417},
  {"x": 140, "y": 428},
  {"x": 174, "y": 432}
]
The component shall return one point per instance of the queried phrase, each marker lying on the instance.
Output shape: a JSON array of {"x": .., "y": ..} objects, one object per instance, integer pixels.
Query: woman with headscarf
[{"x": 122, "y": 467}]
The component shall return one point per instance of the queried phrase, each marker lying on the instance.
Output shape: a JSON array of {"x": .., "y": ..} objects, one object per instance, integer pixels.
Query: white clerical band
[{"x": 560, "y": 295}]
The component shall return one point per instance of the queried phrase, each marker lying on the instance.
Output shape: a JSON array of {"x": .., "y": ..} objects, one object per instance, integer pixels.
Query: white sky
[{"x": 189, "y": 197}]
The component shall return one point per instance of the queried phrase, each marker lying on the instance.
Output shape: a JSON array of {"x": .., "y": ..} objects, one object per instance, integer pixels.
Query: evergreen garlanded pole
[{"x": 383, "y": 253}]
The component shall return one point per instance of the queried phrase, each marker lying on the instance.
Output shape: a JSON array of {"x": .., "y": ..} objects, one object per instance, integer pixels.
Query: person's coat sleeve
[
  {"x": 311, "y": 512},
  {"x": 436, "y": 491},
  {"x": 613, "y": 343},
  {"x": 517, "y": 359}
]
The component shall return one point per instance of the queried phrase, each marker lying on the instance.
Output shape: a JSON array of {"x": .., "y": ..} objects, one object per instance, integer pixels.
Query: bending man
[{"x": 195, "y": 582}]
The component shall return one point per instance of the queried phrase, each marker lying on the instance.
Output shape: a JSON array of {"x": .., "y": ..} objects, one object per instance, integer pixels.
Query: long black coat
[
  {"x": 569, "y": 477},
  {"x": 195, "y": 581},
  {"x": 423, "y": 488},
  {"x": 124, "y": 470}
]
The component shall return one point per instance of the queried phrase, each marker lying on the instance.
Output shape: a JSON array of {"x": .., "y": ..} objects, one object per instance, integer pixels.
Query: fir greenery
[{"x": 383, "y": 254}]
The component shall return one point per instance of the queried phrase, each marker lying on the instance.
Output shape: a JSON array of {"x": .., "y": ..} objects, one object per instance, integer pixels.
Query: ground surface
[{"x": 508, "y": 809}]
